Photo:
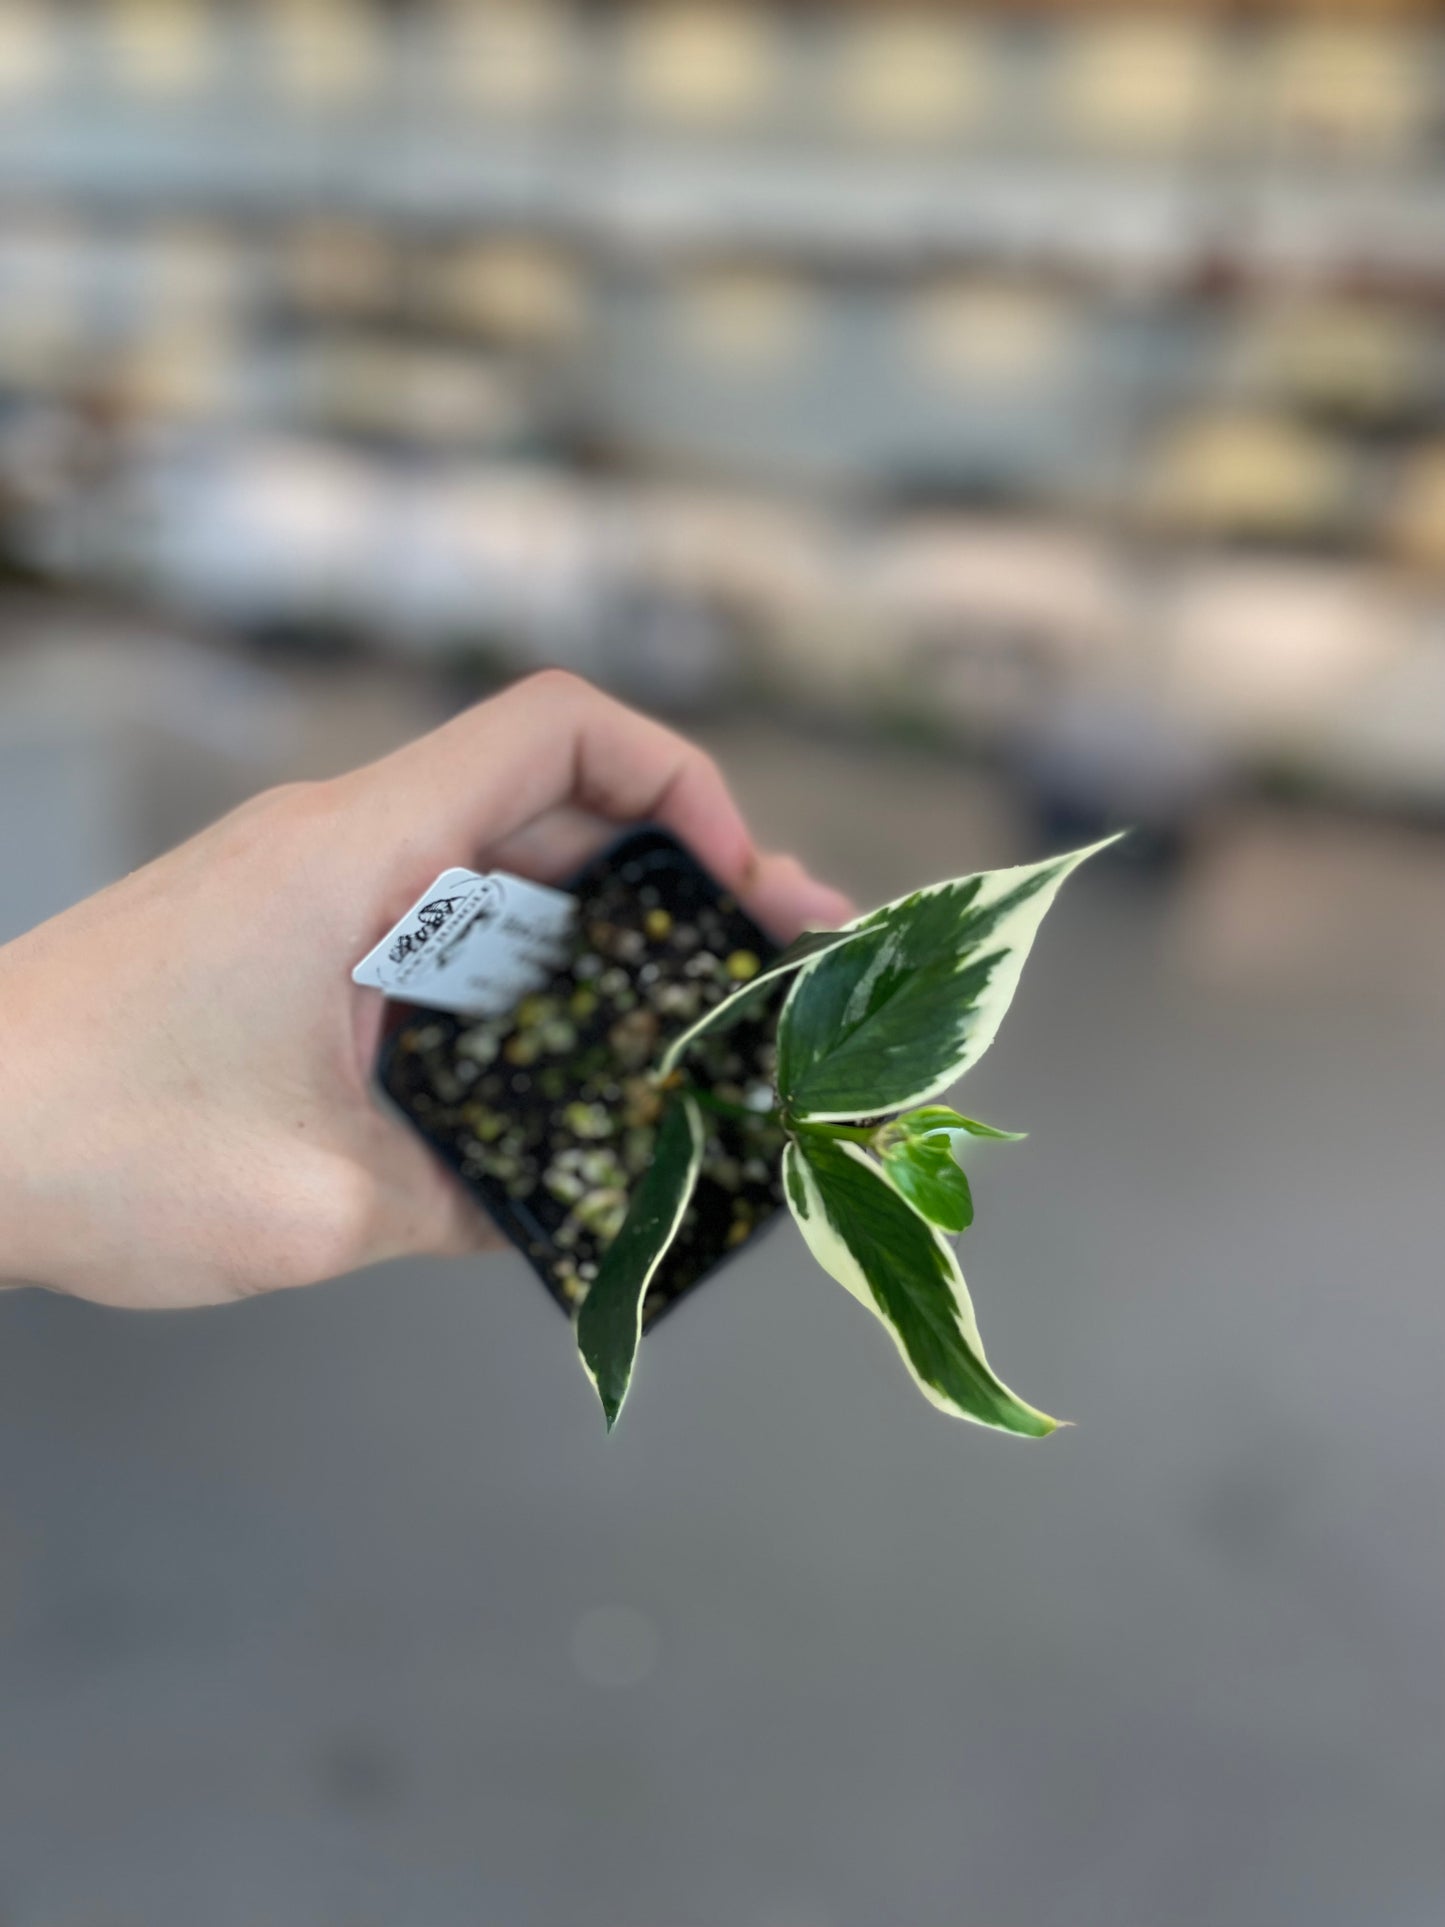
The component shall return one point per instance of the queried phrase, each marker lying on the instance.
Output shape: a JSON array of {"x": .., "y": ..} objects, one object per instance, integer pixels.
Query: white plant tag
[{"x": 473, "y": 944}]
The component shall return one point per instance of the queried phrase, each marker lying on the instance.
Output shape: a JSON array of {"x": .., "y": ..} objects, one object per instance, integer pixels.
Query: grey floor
[{"x": 338, "y": 1610}]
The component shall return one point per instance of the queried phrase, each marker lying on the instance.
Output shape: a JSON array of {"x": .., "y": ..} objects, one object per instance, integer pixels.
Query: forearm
[
  {"x": 117, "y": 1178},
  {"x": 29, "y": 1205}
]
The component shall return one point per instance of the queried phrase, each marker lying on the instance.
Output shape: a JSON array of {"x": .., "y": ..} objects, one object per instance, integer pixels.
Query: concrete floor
[{"x": 339, "y": 1610}]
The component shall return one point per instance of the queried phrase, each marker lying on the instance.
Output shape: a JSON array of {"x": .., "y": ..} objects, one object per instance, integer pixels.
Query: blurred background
[{"x": 982, "y": 425}]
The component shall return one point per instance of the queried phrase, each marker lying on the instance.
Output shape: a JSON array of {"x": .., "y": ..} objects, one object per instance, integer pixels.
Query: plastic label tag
[{"x": 473, "y": 944}]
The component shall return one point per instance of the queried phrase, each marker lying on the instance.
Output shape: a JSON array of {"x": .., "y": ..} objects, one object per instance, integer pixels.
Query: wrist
[{"x": 32, "y": 1208}]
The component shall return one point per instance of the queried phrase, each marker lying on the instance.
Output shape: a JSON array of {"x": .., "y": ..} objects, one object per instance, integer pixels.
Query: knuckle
[
  {"x": 703, "y": 761},
  {"x": 295, "y": 1220},
  {"x": 331, "y": 1225}
]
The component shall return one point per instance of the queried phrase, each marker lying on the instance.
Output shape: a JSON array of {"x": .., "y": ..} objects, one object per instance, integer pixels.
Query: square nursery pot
[{"x": 548, "y": 1114}]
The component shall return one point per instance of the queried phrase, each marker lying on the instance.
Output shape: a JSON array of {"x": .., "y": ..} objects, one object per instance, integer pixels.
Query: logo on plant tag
[
  {"x": 473, "y": 944},
  {"x": 440, "y": 923}
]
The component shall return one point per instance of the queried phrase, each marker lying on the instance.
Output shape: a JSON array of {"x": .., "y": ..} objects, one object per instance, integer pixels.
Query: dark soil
[{"x": 550, "y": 1114}]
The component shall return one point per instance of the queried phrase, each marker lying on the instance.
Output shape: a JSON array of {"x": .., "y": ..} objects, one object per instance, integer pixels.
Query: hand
[{"x": 185, "y": 1105}]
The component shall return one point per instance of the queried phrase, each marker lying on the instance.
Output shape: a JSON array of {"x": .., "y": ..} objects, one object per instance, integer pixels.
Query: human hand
[{"x": 186, "y": 1112}]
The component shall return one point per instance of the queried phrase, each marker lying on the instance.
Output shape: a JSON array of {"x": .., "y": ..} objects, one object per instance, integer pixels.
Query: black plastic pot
[{"x": 549, "y": 1115}]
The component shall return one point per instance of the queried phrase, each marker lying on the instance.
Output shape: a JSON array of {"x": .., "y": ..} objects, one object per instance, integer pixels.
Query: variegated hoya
[{"x": 882, "y": 1017}]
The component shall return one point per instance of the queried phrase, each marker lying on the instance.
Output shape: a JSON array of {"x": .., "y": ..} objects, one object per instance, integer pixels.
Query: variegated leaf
[
  {"x": 935, "y": 1118},
  {"x": 891, "y": 1019},
  {"x": 609, "y": 1325},
  {"x": 802, "y": 950},
  {"x": 904, "y": 1271},
  {"x": 925, "y": 1170}
]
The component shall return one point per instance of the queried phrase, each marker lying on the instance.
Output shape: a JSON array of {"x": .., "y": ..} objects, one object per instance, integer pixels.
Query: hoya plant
[{"x": 880, "y": 1021}]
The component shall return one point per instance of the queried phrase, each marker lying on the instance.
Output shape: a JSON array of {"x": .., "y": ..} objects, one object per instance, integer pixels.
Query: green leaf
[
  {"x": 904, "y": 1271},
  {"x": 804, "y": 949},
  {"x": 919, "y": 1152},
  {"x": 609, "y": 1325},
  {"x": 893, "y": 1018},
  {"x": 925, "y": 1171},
  {"x": 938, "y": 1117}
]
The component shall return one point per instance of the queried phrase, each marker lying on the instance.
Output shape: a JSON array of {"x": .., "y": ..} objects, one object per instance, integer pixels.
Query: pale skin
[{"x": 186, "y": 1110}]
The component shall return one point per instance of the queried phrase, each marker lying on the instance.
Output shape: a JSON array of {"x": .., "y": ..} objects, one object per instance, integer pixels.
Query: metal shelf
[{"x": 1080, "y": 214}]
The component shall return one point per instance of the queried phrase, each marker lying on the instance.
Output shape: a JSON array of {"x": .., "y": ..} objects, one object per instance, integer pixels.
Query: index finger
[{"x": 552, "y": 741}]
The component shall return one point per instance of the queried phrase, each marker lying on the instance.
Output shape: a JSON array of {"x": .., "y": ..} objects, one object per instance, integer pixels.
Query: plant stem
[{"x": 724, "y": 1107}]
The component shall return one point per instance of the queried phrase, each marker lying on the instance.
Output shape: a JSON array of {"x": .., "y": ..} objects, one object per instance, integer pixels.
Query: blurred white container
[
  {"x": 1383, "y": 740},
  {"x": 1263, "y": 651},
  {"x": 983, "y": 617},
  {"x": 271, "y": 530},
  {"x": 495, "y": 558}
]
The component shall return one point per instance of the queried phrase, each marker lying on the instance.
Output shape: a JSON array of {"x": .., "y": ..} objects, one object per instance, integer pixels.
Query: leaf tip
[
  {"x": 611, "y": 1401},
  {"x": 611, "y": 1407},
  {"x": 1104, "y": 843},
  {"x": 1028, "y": 1422}
]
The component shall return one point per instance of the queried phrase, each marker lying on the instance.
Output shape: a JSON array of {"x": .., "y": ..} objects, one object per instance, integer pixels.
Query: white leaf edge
[
  {"x": 958, "y": 1138},
  {"x": 1017, "y": 933},
  {"x": 835, "y": 1255},
  {"x": 697, "y": 1139}
]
